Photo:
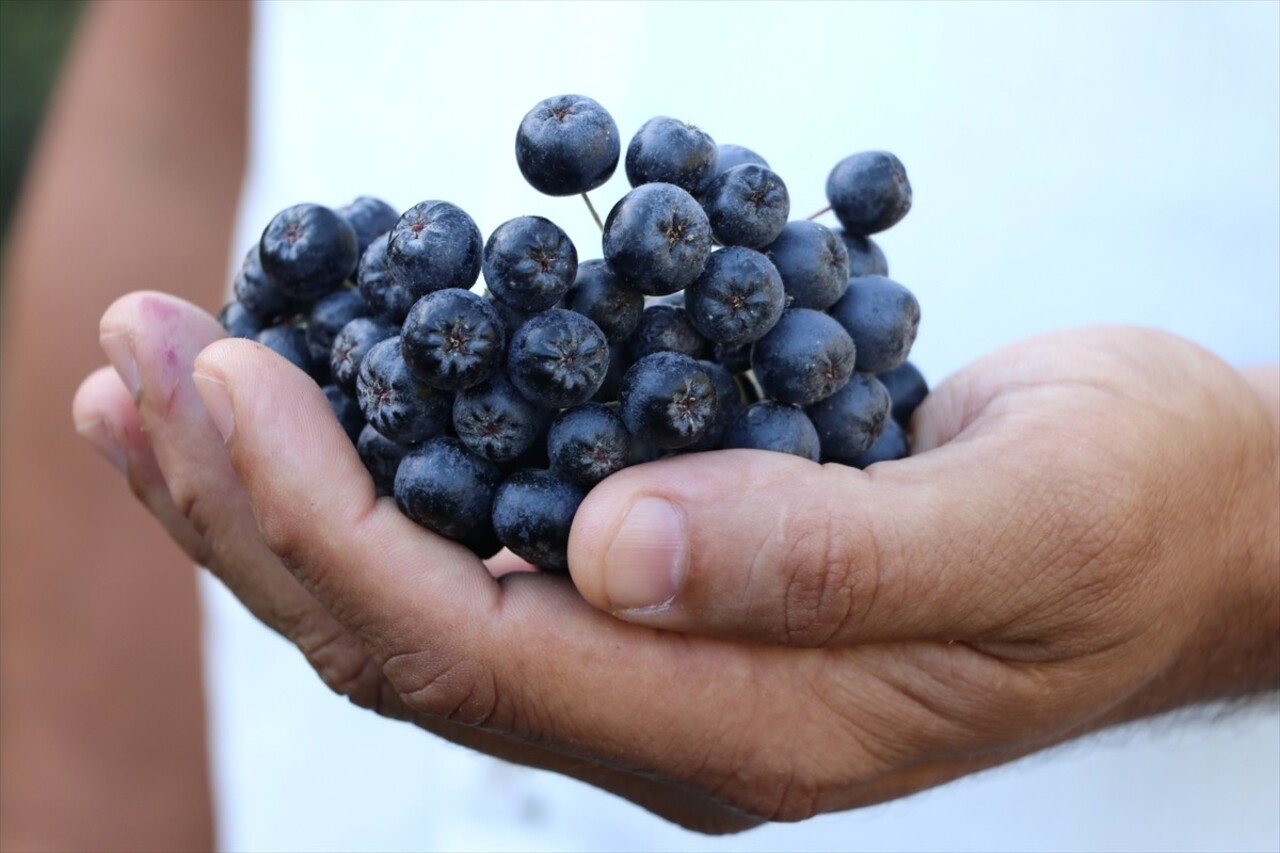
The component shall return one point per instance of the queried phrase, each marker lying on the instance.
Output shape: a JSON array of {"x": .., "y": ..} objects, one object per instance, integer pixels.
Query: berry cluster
[{"x": 713, "y": 320}]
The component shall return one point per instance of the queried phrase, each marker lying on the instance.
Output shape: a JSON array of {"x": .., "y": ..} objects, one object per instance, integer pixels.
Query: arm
[{"x": 135, "y": 182}]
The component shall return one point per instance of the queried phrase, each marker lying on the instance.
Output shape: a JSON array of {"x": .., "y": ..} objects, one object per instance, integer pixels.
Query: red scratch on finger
[{"x": 172, "y": 401}]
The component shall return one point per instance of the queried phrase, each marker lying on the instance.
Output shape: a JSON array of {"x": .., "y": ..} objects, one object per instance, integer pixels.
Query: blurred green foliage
[{"x": 34, "y": 35}]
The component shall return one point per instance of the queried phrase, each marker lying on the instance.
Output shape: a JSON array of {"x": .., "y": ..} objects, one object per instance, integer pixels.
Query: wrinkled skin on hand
[{"x": 1087, "y": 535}]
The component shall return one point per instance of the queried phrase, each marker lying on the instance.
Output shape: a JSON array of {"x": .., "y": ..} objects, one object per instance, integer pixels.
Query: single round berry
[
  {"x": 370, "y": 218},
  {"x": 566, "y": 145},
  {"x": 350, "y": 346},
  {"x": 850, "y": 420},
  {"x": 558, "y": 359},
  {"x": 806, "y": 357},
  {"x": 328, "y": 316},
  {"x": 907, "y": 389},
  {"x": 529, "y": 263},
  {"x": 729, "y": 155},
  {"x": 445, "y": 487},
  {"x": 588, "y": 443},
  {"x": 346, "y": 410},
  {"x": 258, "y": 293},
  {"x": 388, "y": 300},
  {"x": 308, "y": 250},
  {"x": 737, "y": 299},
  {"x": 728, "y": 405},
  {"x": 598, "y": 295},
  {"x": 398, "y": 404},
  {"x": 453, "y": 339},
  {"x": 890, "y": 446},
  {"x": 869, "y": 192},
  {"x": 381, "y": 457},
  {"x": 532, "y": 514},
  {"x": 665, "y": 327},
  {"x": 865, "y": 255},
  {"x": 290, "y": 341},
  {"x": 747, "y": 205},
  {"x": 434, "y": 245},
  {"x": 667, "y": 150},
  {"x": 238, "y": 321},
  {"x": 495, "y": 421},
  {"x": 667, "y": 400},
  {"x": 813, "y": 263},
  {"x": 657, "y": 239},
  {"x": 883, "y": 317},
  {"x": 770, "y": 425}
]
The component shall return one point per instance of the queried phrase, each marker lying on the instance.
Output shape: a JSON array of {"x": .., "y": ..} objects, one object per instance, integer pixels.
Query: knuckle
[
  {"x": 830, "y": 577},
  {"x": 342, "y": 662},
  {"x": 459, "y": 690}
]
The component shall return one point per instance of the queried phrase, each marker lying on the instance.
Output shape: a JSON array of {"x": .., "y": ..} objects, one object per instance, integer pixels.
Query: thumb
[{"x": 772, "y": 548}]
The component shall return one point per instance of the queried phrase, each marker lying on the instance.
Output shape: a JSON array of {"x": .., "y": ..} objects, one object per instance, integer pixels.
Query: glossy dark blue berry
[
  {"x": 588, "y": 443},
  {"x": 482, "y": 540},
  {"x": 453, "y": 339},
  {"x": 370, "y": 218},
  {"x": 665, "y": 327},
  {"x": 667, "y": 150},
  {"x": 770, "y": 425},
  {"x": 737, "y": 299},
  {"x": 869, "y": 192},
  {"x": 667, "y": 400},
  {"x": 529, "y": 263},
  {"x": 290, "y": 341},
  {"x": 657, "y": 239},
  {"x": 388, "y": 299},
  {"x": 532, "y": 514},
  {"x": 883, "y": 317},
  {"x": 558, "y": 359},
  {"x": 346, "y": 410},
  {"x": 567, "y": 144},
  {"x": 381, "y": 457},
  {"x": 907, "y": 388},
  {"x": 327, "y": 317},
  {"x": 890, "y": 446},
  {"x": 729, "y": 155},
  {"x": 619, "y": 360},
  {"x": 813, "y": 263},
  {"x": 350, "y": 346},
  {"x": 736, "y": 359},
  {"x": 445, "y": 487},
  {"x": 308, "y": 250},
  {"x": 238, "y": 321},
  {"x": 850, "y": 420},
  {"x": 728, "y": 405},
  {"x": 495, "y": 421},
  {"x": 433, "y": 246},
  {"x": 747, "y": 205},
  {"x": 398, "y": 404},
  {"x": 806, "y": 357},
  {"x": 865, "y": 255},
  {"x": 259, "y": 295},
  {"x": 598, "y": 295}
]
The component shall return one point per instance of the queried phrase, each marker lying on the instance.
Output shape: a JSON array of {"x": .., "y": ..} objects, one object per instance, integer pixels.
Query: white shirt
[{"x": 1072, "y": 164}]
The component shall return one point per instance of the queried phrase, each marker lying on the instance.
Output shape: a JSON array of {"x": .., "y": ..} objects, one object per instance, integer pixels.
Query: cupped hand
[{"x": 1086, "y": 535}]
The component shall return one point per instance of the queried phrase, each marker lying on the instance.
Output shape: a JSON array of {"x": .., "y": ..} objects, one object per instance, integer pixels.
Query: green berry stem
[{"x": 591, "y": 207}]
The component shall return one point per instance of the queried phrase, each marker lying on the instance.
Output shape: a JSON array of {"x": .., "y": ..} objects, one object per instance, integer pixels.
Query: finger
[
  {"x": 107, "y": 418},
  {"x": 768, "y": 547},
  {"x": 187, "y": 482}
]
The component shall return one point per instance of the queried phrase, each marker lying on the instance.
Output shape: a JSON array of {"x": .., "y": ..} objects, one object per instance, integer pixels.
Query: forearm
[{"x": 134, "y": 185}]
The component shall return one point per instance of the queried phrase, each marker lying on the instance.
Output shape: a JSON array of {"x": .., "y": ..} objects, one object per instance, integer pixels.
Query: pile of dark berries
[{"x": 713, "y": 320}]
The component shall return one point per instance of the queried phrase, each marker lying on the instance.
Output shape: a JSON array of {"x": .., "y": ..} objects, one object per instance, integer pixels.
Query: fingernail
[
  {"x": 646, "y": 561},
  {"x": 119, "y": 352},
  {"x": 99, "y": 433},
  {"x": 216, "y": 399}
]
